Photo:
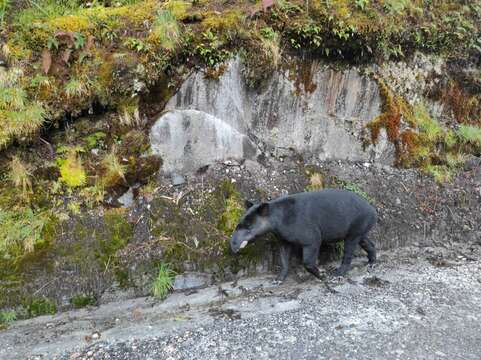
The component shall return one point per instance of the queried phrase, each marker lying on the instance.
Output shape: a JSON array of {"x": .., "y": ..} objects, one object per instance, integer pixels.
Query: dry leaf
[
  {"x": 66, "y": 55},
  {"x": 90, "y": 42},
  {"x": 46, "y": 60}
]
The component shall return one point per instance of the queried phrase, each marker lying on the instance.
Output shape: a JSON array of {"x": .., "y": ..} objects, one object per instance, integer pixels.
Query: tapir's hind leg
[
  {"x": 368, "y": 246},
  {"x": 350, "y": 244}
]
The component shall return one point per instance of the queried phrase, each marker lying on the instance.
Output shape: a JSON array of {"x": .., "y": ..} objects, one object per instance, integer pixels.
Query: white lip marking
[{"x": 243, "y": 245}]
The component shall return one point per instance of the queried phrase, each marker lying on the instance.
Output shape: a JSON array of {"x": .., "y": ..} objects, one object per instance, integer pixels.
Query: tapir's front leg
[{"x": 285, "y": 254}]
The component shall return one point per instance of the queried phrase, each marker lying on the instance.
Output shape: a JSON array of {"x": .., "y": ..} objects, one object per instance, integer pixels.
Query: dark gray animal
[{"x": 308, "y": 219}]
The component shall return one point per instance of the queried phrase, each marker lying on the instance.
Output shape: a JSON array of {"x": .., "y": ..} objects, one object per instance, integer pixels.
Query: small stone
[
  {"x": 127, "y": 199},
  {"x": 177, "y": 180},
  {"x": 420, "y": 311},
  {"x": 472, "y": 163}
]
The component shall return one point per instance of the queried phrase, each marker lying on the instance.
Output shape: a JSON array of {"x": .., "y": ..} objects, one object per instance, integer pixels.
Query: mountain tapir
[{"x": 308, "y": 219}]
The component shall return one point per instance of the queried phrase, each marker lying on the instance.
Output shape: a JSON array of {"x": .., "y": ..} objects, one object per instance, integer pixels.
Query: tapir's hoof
[
  {"x": 276, "y": 282},
  {"x": 371, "y": 266}
]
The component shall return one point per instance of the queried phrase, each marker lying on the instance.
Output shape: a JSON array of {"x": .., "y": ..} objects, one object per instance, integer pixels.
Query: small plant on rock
[
  {"x": 163, "y": 282},
  {"x": 72, "y": 172},
  {"x": 6, "y": 317},
  {"x": 210, "y": 50},
  {"x": 114, "y": 171},
  {"x": 316, "y": 182},
  {"x": 20, "y": 176},
  {"x": 166, "y": 30},
  {"x": 470, "y": 135}
]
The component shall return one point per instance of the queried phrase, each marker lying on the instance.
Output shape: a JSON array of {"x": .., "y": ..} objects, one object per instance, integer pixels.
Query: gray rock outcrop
[
  {"x": 226, "y": 118},
  {"x": 189, "y": 139}
]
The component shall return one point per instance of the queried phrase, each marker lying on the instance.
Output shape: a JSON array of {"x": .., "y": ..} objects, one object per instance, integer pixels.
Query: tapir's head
[{"x": 254, "y": 223}]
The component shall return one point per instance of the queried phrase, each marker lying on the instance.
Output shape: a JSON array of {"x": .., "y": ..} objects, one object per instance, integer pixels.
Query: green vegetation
[
  {"x": 166, "y": 31},
  {"x": 114, "y": 171},
  {"x": 350, "y": 186},
  {"x": 21, "y": 231},
  {"x": 233, "y": 208},
  {"x": 72, "y": 172},
  {"x": 424, "y": 143},
  {"x": 64, "y": 59},
  {"x": 20, "y": 116},
  {"x": 163, "y": 282},
  {"x": 80, "y": 301},
  {"x": 470, "y": 135},
  {"x": 4, "y": 5},
  {"x": 316, "y": 182},
  {"x": 40, "y": 306},
  {"x": 20, "y": 176},
  {"x": 120, "y": 233},
  {"x": 94, "y": 139},
  {"x": 7, "y": 317},
  {"x": 71, "y": 54}
]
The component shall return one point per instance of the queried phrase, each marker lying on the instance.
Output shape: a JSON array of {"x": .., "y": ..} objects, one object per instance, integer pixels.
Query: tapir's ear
[
  {"x": 263, "y": 209},
  {"x": 248, "y": 204}
]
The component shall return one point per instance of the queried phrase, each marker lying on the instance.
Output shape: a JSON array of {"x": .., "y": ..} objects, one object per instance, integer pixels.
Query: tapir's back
[{"x": 335, "y": 212}]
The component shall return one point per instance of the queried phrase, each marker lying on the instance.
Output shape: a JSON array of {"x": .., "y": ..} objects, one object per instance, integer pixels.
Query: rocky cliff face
[
  {"x": 321, "y": 116},
  {"x": 303, "y": 130}
]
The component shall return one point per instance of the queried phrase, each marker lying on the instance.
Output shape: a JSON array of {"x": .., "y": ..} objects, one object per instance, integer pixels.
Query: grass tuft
[
  {"x": 163, "y": 282},
  {"x": 470, "y": 135},
  {"x": 20, "y": 176},
  {"x": 114, "y": 171}
]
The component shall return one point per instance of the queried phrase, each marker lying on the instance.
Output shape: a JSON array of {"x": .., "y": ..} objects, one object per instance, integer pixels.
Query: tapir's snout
[{"x": 237, "y": 242}]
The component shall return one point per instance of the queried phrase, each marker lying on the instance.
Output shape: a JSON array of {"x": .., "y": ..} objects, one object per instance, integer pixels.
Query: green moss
[
  {"x": 80, "y": 301},
  {"x": 233, "y": 208},
  {"x": 350, "y": 186},
  {"x": 203, "y": 240},
  {"x": 94, "y": 139},
  {"x": 228, "y": 21},
  {"x": 40, "y": 306},
  {"x": 123, "y": 278},
  {"x": 72, "y": 172},
  {"x": 430, "y": 129},
  {"x": 7, "y": 317},
  {"x": 165, "y": 36},
  {"x": 440, "y": 173},
  {"x": 425, "y": 143},
  {"x": 22, "y": 232},
  {"x": 470, "y": 135},
  {"x": 119, "y": 234},
  {"x": 178, "y": 8}
]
